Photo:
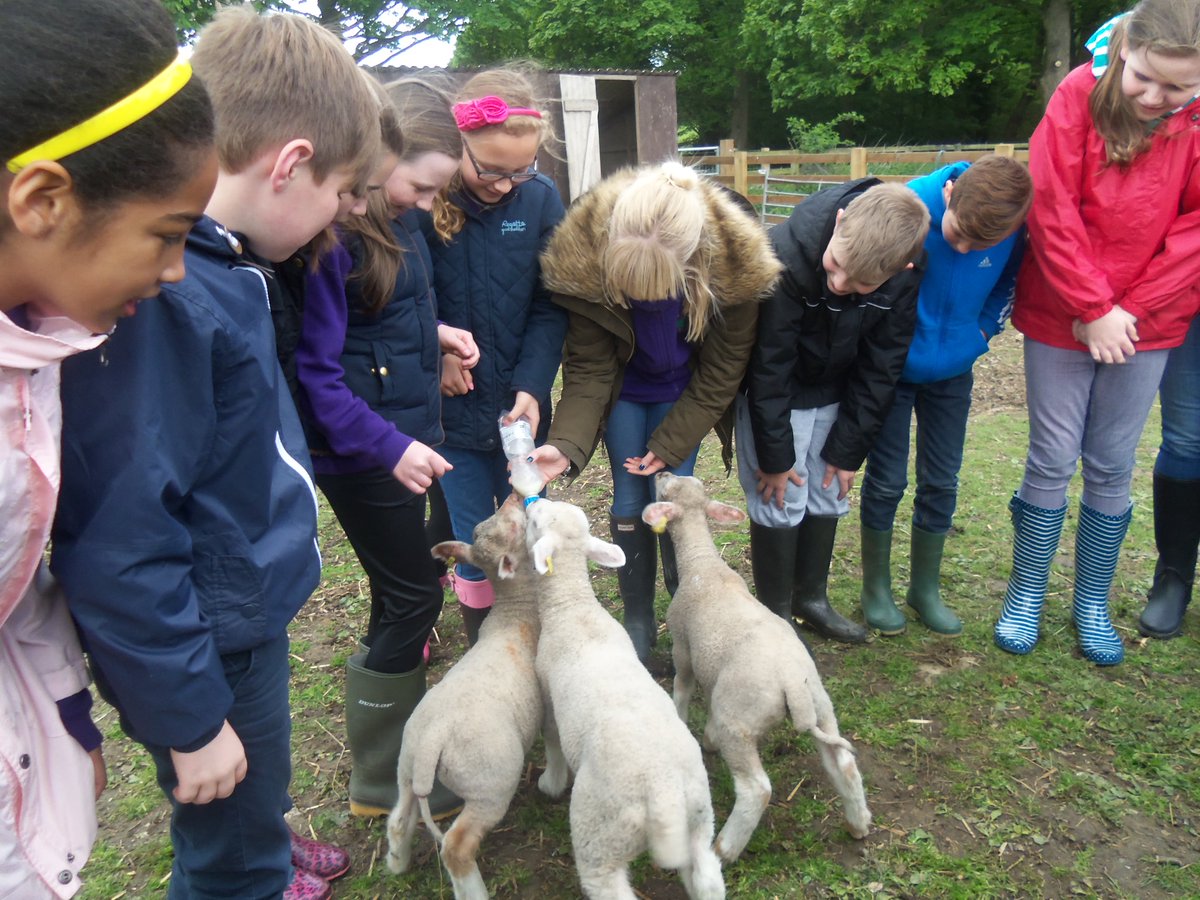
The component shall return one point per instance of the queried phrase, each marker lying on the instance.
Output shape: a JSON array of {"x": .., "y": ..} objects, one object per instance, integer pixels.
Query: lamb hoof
[{"x": 552, "y": 785}]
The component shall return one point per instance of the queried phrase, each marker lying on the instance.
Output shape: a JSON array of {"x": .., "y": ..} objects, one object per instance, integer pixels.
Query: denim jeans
[
  {"x": 629, "y": 428},
  {"x": 941, "y": 408},
  {"x": 474, "y": 490},
  {"x": 385, "y": 524},
  {"x": 1179, "y": 455},
  {"x": 240, "y": 846}
]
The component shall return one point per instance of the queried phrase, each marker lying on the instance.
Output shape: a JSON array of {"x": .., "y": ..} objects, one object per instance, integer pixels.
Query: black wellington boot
[
  {"x": 666, "y": 549},
  {"x": 773, "y": 562},
  {"x": 810, "y": 601},
  {"x": 1176, "y": 534},
  {"x": 636, "y": 580}
]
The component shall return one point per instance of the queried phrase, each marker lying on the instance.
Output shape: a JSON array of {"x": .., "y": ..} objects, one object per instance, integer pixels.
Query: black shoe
[
  {"x": 810, "y": 598},
  {"x": 636, "y": 580},
  {"x": 1176, "y": 534},
  {"x": 773, "y": 562}
]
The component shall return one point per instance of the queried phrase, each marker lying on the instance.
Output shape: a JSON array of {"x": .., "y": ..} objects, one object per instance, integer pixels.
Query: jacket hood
[
  {"x": 54, "y": 339},
  {"x": 741, "y": 265}
]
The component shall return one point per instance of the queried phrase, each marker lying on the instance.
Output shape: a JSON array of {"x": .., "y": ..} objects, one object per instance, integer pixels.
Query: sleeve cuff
[{"x": 75, "y": 713}]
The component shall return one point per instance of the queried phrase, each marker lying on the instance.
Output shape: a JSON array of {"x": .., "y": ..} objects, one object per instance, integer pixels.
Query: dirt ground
[{"x": 323, "y": 629}]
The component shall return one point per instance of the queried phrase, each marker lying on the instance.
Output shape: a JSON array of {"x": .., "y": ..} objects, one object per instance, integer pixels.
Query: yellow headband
[{"x": 104, "y": 124}]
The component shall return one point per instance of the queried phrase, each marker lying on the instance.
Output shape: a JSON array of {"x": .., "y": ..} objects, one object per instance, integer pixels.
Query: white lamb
[
  {"x": 475, "y": 727},
  {"x": 640, "y": 782},
  {"x": 749, "y": 662}
]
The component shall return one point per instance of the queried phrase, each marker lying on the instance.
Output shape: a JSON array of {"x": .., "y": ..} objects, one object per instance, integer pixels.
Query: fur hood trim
[{"x": 742, "y": 267}]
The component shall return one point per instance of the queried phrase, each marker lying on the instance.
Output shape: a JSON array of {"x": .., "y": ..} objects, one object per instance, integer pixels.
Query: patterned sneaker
[
  {"x": 307, "y": 886},
  {"x": 325, "y": 861}
]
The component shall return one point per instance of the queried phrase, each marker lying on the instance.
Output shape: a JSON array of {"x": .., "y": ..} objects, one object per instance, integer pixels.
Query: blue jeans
[
  {"x": 474, "y": 490},
  {"x": 627, "y": 434},
  {"x": 1179, "y": 455},
  {"x": 941, "y": 408},
  {"x": 240, "y": 846}
]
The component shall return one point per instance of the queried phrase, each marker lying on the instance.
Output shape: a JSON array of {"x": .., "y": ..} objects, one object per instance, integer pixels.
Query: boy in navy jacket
[
  {"x": 974, "y": 246},
  {"x": 832, "y": 340},
  {"x": 186, "y": 535}
]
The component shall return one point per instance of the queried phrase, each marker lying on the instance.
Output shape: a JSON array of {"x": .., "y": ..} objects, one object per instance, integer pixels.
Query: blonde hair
[
  {"x": 991, "y": 198},
  {"x": 654, "y": 243},
  {"x": 1165, "y": 27},
  {"x": 881, "y": 232},
  {"x": 513, "y": 84},
  {"x": 277, "y": 78}
]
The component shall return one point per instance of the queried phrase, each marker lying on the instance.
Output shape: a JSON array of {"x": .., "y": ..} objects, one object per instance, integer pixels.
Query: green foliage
[{"x": 806, "y": 137}]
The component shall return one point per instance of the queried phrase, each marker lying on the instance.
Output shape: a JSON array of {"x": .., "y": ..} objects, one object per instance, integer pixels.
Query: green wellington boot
[
  {"x": 377, "y": 708},
  {"x": 924, "y": 583},
  {"x": 878, "y": 604}
]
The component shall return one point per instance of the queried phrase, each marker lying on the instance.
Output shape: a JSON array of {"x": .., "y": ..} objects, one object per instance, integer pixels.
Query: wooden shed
[{"x": 607, "y": 119}]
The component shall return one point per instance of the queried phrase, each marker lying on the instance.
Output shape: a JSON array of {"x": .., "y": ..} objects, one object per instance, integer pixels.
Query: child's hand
[
  {"x": 212, "y": 772},
  {"x": 644, "y": 465},
  {"x": 525, "y": 405},
  {"x": 456, "y": 380},
  {"x": 419, "y": 466},
  {"x": 99, "y": 771},
  {"x": 845, "y": 479},
  {"x": 774, "y": 486},
  {"x": 1110, "y": 338},
  {"x": 460, "y": 343},
  {"x": 551, "y": 462}
]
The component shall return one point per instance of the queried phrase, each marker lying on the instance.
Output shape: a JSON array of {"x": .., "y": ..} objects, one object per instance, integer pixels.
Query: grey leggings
[{"x": 1079, "y": 408}]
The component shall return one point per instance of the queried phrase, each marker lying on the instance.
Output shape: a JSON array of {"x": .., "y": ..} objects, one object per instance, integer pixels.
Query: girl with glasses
[{"x": 485, "y": 235}]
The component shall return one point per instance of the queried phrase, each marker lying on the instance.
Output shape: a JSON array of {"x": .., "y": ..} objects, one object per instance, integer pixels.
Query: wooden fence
[{"x": 776, "y": 180}]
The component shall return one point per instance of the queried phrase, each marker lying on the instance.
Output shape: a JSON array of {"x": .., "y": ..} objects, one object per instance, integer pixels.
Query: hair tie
[
  {"x": 474, "y": 114},
  {"x": 104, "y": 124}
]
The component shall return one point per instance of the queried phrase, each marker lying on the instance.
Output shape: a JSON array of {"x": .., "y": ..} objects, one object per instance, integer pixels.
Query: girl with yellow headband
[{"x": 108, "y": 160}]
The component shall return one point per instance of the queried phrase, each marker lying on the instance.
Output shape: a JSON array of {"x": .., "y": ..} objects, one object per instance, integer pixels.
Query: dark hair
[{"x": 63, "y": 62}]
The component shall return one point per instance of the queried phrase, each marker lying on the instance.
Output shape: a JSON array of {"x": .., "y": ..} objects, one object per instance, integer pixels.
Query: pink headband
[{"x": 486, "y": 111}]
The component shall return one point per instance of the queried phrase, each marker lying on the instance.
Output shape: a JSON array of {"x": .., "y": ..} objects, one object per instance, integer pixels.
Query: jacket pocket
[{"x": 231, "y": 595}]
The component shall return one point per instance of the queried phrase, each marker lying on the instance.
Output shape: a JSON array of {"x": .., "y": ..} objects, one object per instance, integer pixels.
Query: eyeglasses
[{"x": 491, "y": 177}]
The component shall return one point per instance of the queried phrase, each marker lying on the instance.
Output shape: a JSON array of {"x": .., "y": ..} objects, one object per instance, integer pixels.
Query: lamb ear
[
  {"x": 658, "y": 514},
  {"x": 604, "y": 553},
  {"x": 542, "y": 551},
  {"x": 723, "y": 512},
  {"x": 507, "y": 567},
  {"x": 448, "y": 550}
]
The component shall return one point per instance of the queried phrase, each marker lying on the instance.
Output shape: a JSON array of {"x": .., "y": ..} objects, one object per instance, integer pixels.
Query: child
[
  {"x": 485, "y": 237},
  {"x": 1113, "y": 261},
  {"x": 661, "y": 272},
  {"x": 369, "y": 366},
  {"x": 974, "y": 250},
  {"x": 93, "y": 221},
  {"x": 831, "y": 344},
  {"x": 186, "y": 538}
]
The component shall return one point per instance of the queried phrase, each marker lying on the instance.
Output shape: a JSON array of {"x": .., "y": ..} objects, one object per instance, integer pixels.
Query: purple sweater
[
  {"x": 359, "y": 437},
  {"x": 660, "y": 369}
]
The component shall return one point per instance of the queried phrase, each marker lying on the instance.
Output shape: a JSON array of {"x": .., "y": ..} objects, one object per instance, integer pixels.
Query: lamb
[
  {"x": 640, "y": 781},
  {"x": 475, "y": 727},
  {"x": 749, "y": 662}
]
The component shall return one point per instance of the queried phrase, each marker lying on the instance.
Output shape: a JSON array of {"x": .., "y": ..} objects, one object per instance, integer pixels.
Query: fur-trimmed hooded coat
[{"x": 742, "y": 269}]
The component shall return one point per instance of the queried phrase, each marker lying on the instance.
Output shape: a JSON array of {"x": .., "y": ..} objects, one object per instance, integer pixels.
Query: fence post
[
  {"x": 739, "y": 173},
  {"x": 725, "y": 148},
  {"x": 858, "y": 162},
  {"x": 1008, "y": 150}
]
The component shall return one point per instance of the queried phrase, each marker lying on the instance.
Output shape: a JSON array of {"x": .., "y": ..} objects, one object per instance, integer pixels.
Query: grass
[{"x": 989, "y": 775}]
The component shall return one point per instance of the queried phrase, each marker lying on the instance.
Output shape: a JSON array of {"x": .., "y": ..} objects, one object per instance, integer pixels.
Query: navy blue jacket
[
  {"x": 488, "y": 281},
  {"x": 186, "y": 527}
]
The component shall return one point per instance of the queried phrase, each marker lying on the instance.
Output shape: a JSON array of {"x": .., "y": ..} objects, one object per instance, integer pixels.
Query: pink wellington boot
[
  {"x": 307, "y": 886},
  {"x": 326, "y": 861}
]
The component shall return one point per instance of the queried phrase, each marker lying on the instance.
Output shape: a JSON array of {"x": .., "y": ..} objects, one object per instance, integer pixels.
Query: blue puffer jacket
[
  {"x": 488, "y": 281},
  {"x": 187, "y": 525},
  {"x": 964, "y": 296}
]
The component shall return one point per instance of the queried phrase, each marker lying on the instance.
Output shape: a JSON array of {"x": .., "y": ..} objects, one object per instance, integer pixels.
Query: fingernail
[
  {"x": 642, "y": 466},
  {"x": 529, "y": 459}
]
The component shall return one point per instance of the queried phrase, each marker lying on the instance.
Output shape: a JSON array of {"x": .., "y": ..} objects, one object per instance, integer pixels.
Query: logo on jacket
[
  {"x": 516, "y": 226},
  {"x": 985, "y": 263}
]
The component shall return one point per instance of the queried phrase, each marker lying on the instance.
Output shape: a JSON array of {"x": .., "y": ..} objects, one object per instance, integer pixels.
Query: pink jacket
[
  {"x": 47, "y": 813},
  {"x": 1103, "y": 235}
]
